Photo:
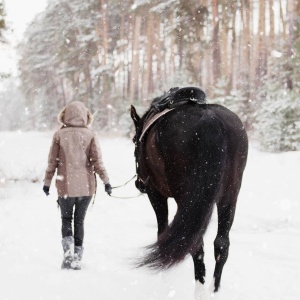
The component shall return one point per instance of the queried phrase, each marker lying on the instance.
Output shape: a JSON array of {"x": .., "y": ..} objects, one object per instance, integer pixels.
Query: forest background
[{"x": 109, "y": 54}]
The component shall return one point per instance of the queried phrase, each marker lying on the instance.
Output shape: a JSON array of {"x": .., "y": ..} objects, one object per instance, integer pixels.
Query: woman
[{"x": 76, "y": 156}]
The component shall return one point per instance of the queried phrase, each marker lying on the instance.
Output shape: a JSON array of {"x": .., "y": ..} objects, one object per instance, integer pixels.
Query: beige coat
[{"x": 75, "y": 154}]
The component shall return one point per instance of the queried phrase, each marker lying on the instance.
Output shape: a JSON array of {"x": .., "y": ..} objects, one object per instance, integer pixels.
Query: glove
[
  {"x": 46, "y": 190},
  {"x": 108, "y": 188}
]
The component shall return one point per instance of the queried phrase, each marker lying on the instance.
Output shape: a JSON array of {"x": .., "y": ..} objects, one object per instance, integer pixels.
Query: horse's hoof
[
  {"x": 211, "y": 290},
  {"x": 201, "y": 293}
]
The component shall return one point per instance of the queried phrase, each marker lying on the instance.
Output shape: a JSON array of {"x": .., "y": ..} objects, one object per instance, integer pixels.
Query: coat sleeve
[
  {"x": 96, "y": 159},
  {"x": 53, "y": 160}
]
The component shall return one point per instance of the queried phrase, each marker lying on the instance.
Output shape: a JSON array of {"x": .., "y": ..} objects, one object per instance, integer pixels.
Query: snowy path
[{"x": 264, "y": 256}]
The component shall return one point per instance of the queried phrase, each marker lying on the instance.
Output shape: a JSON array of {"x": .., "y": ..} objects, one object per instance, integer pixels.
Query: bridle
[{"x": 140, "y": 183}]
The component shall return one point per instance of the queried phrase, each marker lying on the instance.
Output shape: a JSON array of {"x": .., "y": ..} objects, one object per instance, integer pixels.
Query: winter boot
[
  {"x": 68, "y": 247},
  {"x": 76, "y": 263}
]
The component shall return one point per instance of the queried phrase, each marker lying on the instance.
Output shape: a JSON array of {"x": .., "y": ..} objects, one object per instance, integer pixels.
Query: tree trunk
[
  {"x": 233, "y": 43},
  {"x": 272, "y": 26},
  {"x": 157, "y": 46},
  {"x": 89, "y": 86},
  {"x": 292, "y": 25},
  {"x": 261, "y": 64},
  {"x": 148, "y": 86},
  {"x": 104, "y": 31},
  {"x": 63, "y": 92},
  {"x": 248, "y": 79},
  {"x": 224, "y": 37},
  {"x": 298, "y": 8},
  {"x": 123, "y": 78},
  {"x": 171, "y": 71},
  {"x": 216, "y": 56},
  {"x": 245, "y": 43},
  {"x": 134, "y": 76},
  {"x": 208, "y": 80},
  {"x": 283, "y": 22}
]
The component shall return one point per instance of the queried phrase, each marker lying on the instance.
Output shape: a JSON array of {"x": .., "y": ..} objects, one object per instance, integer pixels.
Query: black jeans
[{"x": 66, "y": 207}]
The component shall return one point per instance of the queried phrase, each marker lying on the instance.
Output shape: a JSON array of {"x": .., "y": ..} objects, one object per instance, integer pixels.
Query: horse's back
[{"x": 185, "y": 122}]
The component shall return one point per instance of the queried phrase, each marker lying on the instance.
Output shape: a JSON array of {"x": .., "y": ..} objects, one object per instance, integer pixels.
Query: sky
[{"x": 18, "y": 15}]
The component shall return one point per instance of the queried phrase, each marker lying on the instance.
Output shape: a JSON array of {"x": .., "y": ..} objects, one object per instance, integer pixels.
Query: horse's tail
[{"x": 201, "y": 189}]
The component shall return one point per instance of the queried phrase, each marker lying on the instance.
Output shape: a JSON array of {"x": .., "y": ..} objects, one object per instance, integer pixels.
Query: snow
[{"x": 264, "y": 254}]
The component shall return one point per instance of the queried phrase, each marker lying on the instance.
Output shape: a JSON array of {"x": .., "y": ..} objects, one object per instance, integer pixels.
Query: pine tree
[
  {"x": 234, "y": 100},
  {"x": 277, "y": 123}
]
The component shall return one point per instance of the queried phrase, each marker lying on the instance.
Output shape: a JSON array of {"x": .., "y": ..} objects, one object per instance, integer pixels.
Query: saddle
[
  {"x": 169, "y": 101},
  {"x": 176, "y": 97}
]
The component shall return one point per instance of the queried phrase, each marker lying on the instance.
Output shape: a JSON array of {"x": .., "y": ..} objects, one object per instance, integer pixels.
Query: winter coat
[{"x": 75, "y": 154}]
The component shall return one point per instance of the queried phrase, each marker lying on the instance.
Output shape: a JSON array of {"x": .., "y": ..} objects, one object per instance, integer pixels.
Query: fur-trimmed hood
[{"x": 75, "y": 114}]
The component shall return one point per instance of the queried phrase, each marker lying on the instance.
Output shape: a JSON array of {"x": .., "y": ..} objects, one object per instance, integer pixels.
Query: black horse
[{"x": 195, "y": 153}]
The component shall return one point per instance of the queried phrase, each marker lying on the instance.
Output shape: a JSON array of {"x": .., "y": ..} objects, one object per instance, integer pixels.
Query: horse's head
[{"x": 138, "y": 123}]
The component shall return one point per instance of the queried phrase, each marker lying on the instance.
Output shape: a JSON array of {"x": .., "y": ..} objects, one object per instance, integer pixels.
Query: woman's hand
[
  {"x": 46, "y": 190},
  {"x": 108, "y": 188}
]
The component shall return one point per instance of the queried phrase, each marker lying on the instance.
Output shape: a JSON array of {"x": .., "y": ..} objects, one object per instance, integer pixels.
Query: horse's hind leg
[
  {"x": 226, "y": 211},
  {"x": 160, "y": 206},
  {"x": 198, "y": 258}
]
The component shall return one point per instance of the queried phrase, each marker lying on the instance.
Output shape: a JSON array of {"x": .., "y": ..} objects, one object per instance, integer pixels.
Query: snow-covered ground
[{"x": 263, "y": 263}]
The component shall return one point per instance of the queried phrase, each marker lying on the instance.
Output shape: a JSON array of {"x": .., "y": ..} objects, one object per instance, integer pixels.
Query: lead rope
[
  {"x": 116, "y": 187},
  {"x": 129, "y": 197}
]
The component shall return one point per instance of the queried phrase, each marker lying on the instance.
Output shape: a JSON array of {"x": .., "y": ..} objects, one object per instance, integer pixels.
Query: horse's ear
[{"x": 134, "y": 116}]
